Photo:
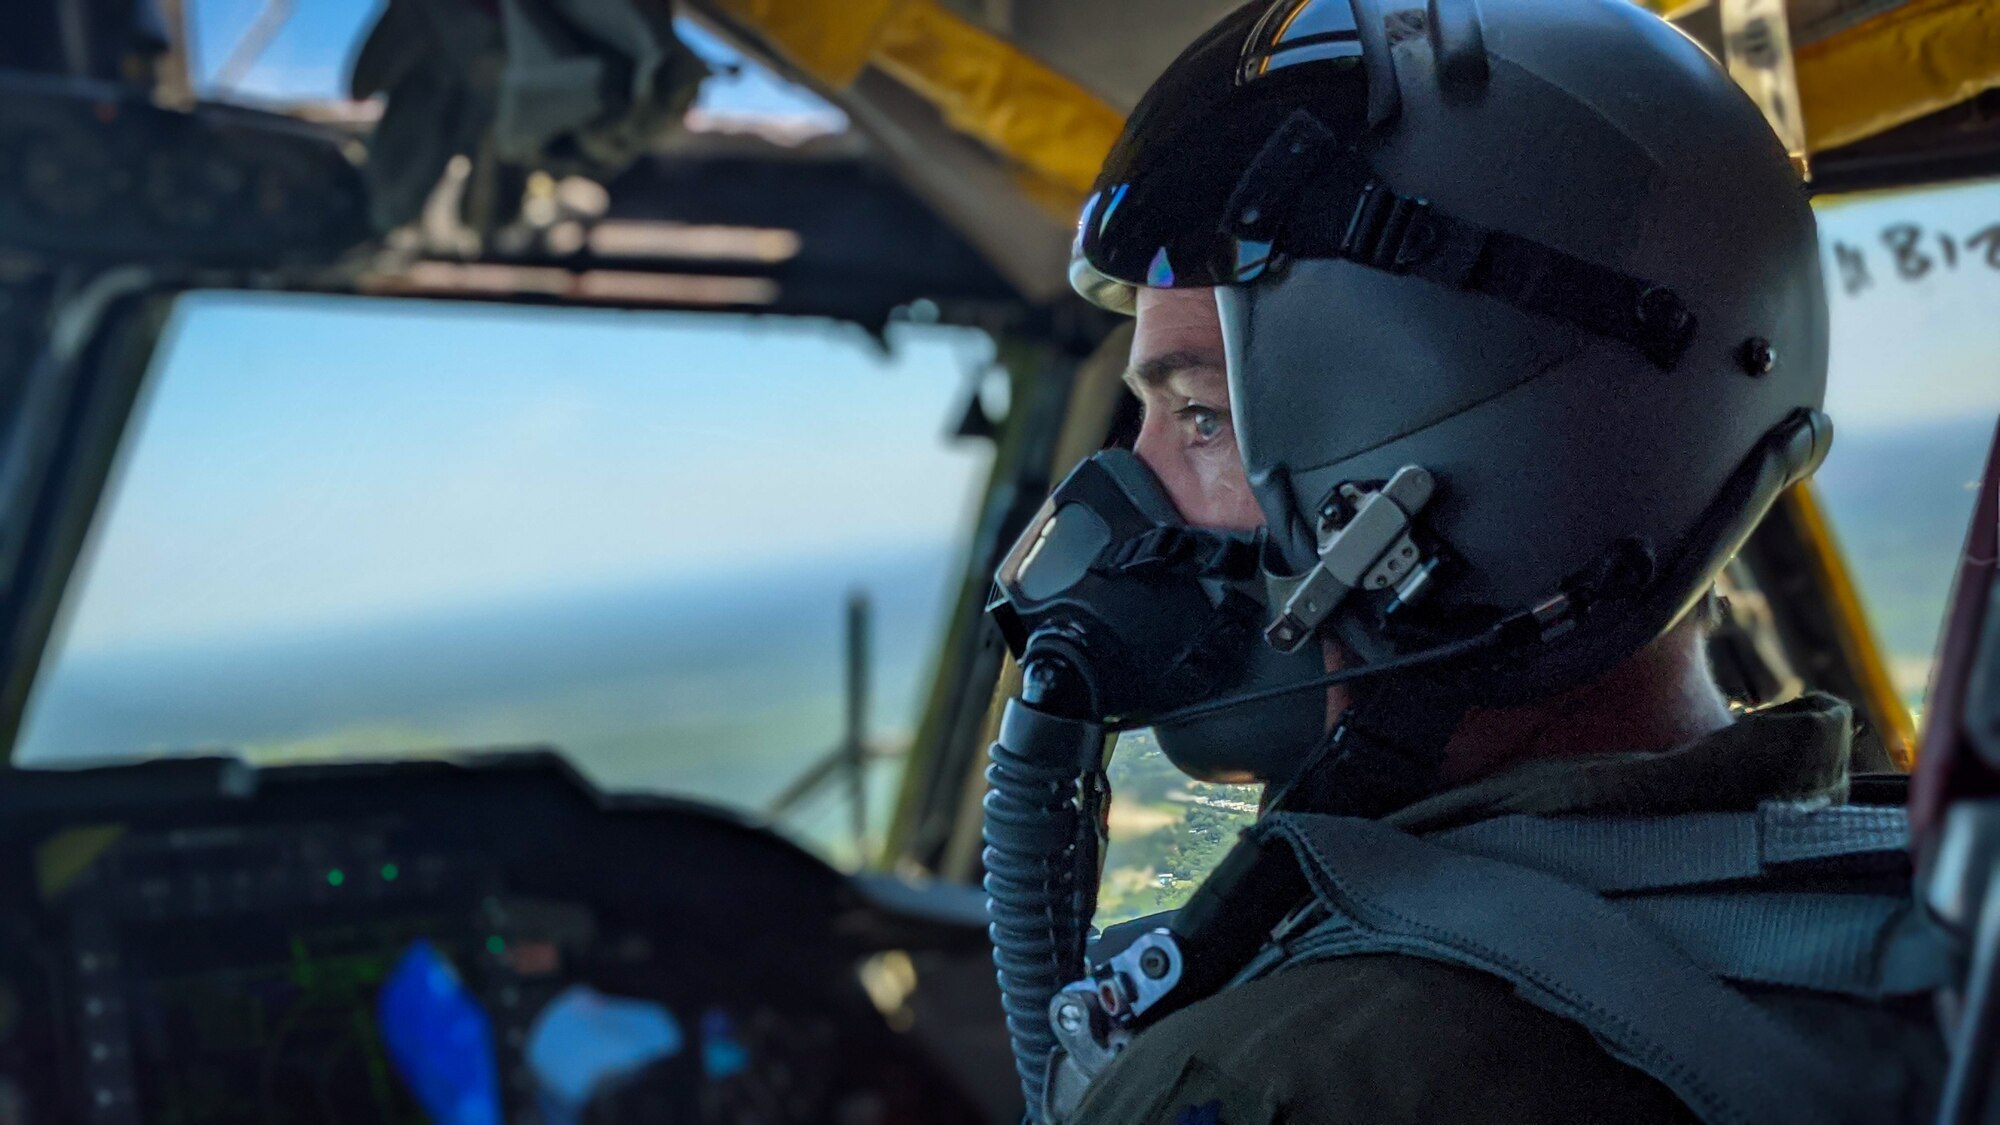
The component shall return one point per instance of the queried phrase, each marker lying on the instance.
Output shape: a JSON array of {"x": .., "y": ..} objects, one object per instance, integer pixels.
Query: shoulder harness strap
[
  {"x": 1619, "y": 972},
  {"x": 1794, "y": 894}
]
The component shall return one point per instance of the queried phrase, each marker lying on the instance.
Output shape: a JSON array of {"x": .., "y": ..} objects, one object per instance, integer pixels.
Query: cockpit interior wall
[
  {"x": 1910, "y": 61},
  {"x": 1008, "y": 74},
  {"x": 1045, "y": 121}
]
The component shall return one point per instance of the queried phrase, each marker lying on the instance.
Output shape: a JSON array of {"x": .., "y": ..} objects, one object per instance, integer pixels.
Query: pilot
[{"x": 1539, "y": 275}]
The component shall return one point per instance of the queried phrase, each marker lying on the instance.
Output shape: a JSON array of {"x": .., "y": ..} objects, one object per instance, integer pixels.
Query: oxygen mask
[{"x": 1157, "y": 617}]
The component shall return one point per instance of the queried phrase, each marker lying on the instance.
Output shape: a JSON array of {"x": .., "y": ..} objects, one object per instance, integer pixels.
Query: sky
[{"x": 308, "y": 460}]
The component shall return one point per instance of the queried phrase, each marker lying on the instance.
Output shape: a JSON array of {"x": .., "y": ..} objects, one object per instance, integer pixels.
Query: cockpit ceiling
[{"x": 1044, "y": 84}]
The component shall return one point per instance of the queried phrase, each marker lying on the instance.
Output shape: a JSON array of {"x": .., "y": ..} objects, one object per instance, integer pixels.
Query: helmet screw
[
  {"x": 1154, "y": 963},
  {"x": 1070, "y": 1017},
  {"x": 1758, "y": 356}
]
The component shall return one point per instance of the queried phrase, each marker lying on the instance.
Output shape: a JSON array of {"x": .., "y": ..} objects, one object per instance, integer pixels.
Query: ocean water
[{"x": 1900, "y": 500}]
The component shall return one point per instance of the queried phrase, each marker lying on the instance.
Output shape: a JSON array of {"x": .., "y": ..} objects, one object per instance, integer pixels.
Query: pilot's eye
[{"x": 1206, "y": 425}]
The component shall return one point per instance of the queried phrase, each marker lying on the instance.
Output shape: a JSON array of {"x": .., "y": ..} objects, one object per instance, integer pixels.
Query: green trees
[
  {"x": 1167, "y": 831},
  {"x": 1205, "y": 835}
]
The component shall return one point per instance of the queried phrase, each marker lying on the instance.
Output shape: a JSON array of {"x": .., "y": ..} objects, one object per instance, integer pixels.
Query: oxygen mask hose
[{"x": 1040, "y": 839}]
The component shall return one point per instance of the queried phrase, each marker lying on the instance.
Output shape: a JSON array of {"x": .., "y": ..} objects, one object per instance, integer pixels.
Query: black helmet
[{"x": 1522, "y": 308}]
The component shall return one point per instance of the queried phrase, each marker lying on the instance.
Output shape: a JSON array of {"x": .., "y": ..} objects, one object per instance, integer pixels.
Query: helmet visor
[{"x": 1160, "y": 214}]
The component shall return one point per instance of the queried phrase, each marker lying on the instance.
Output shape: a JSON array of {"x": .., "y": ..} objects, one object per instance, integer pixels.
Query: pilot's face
[
  {"x": 1186, "y": 439},
  {"x": 1178, "y": 372}
]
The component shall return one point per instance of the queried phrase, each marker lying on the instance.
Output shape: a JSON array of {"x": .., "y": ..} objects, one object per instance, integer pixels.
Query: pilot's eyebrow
[{"x": 1155, "y": 371}]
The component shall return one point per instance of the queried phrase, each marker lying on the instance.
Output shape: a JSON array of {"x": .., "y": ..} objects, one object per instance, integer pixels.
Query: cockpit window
[
  {"x": 347, "y": 528},
  {"x": 1914, "y": 393},
  {"x": 1167, "y": 831}
]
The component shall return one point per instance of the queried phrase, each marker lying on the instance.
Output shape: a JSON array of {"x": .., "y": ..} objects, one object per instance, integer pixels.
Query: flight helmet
[{"x": 1523, "y": 317}]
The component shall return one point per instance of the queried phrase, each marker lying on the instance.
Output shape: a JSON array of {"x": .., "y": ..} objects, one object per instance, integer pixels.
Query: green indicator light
[
  {"x": 496, "y": 945},
  {"x": 336, "y": 877},
  {"x": 389, "y": 873}
]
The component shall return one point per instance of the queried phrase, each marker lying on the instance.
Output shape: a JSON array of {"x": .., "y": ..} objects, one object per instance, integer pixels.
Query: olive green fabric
[
  {"x": 1385, "y": 1039},
  {"x": 1377, "y": 1039},
  {"x": 1790, "y": 752}
]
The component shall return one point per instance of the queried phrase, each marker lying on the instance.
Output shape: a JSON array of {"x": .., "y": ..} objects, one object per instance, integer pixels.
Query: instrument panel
[{"x": 199, "y": 943}]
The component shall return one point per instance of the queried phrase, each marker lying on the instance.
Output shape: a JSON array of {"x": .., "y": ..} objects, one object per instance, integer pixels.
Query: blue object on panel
[{"x": 439, "y": 1040}]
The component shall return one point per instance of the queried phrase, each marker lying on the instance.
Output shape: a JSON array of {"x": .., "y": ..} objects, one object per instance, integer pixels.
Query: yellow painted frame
[
  {"x": 1910, "y": 61},
  {"x": 1913, "y": 60},
  {"x": 1052, "y": 129},
  {"x": 1853, "y": 633}
]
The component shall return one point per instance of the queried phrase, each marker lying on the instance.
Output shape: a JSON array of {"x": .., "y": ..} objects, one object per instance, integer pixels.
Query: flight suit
[{"x": 1390, "y": 1038}]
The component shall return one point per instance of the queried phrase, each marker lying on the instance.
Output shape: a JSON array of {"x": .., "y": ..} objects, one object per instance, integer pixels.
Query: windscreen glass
[
  {"x": 348, "y": 528},
  {"x": 1913, "y": 279}
]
